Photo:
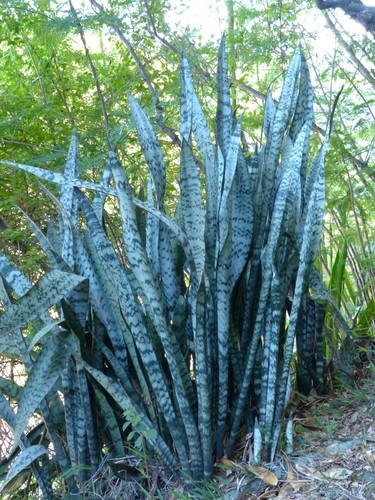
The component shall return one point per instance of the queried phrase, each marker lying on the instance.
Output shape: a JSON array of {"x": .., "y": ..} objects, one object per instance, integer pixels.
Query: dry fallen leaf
[
  {"x": 292, "y": 480},
  {"x": 292, "y": 475},
  {"x": 369, "y": 457},
  {"x": 308, "y": 471},
  {"x": 286, "y": 491},
  {"x": 354, "y": 418},
  {"x": 264, "y": 474},
  {"x": 337, "y": 473},
  {"x": 228, "y": 464},
  {"x": 308, "y": 422},
  {"x": 268, "y": 494}
]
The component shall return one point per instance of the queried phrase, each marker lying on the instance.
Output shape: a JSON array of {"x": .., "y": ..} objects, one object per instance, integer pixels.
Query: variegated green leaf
[
  {"x": 99, "y": 199},
  {"x": 111, "y": 424},
  {"x": 310, "y": 241},
  {"x": 74, "y": 423},
  {"x": 277, "y": 130},
  {"x": 45, "y": 372},
  {"x": 193, "y": 209},
  {"x": 60, "y": 179},
  {"x": 303, "y": 113},
  {"x": 224, "y": 111},
  {"x": 321, "y": 294},
  {"x": 112, "y": 275},
  {"x": 51, "y": 288},
  {"x": 223, "y": 299},
  {"x": 124, "y": 402},
  {"x": 152, "y": 232},
  {"x": 315, "y": 170},
  {"x": 269, "y": 114},
  {"x": 170, "y": 285},
  {"x": 204, "y": 389},
  {"x": 226, "y": 176},
  {"x": 53, "y": 235},
  {"x": 70, "y": 172},
  {"x": 15, "y": 279},
  {"x": 6, "y": 411},
  {"x": 271, "y": 342},
  {"x": 143, "y": 273},
  {"x": 242, "y": 219},
  {"x": 150, "y": 147},
  {"x": 22, "y": 461},
  {"x": 186, "y": 101},
  {"x": 285, "y": 108},
  {"x": 287, "y": 191},
  {"x": 103, "y": 307},
  {"x": 69, "y": 202},
  {"x": 142, "y": 338},
  {"x": 207, "y": 151},
  {"x": 88, "y": 418}
]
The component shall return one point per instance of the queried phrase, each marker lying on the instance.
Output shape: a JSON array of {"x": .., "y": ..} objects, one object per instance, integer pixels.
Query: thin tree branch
[
  {"x": 159, "y": 109},
  {"x": 250, "y": 90},
  {"x": 62, "y": 92},
  {"x": 29, "y": 145},
  {"x": 353, "y": 42},
  {"x": 356, "y": 62},
  {"x": 94, "y": 74},
  {"x": 153, "y": 30},
  {"x": 361, "y": 13}
]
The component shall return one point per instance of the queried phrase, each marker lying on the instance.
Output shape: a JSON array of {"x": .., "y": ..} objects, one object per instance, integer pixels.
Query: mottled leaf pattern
[
  {"x": 184, "y": 324},
  {"x": 47, "y": 291},
  {"x": 125, "y": 403},
  {"x": 45, "y": 372},
  {"x": 111, "y": 423},
  {"x": 99, "y": 199},
  {"x": 150, "y": 147},
  {"x": 143, "y": 274},
  {"x": 186, "y": 101},
  {"x": 269, "y": 114},
  {"x": 224, "y": 111},
  {"x": 23, "y": 460},
  {"x": 15, "y": 279},
  {"x": 193, "y": 209},
  {"x": 69, "y": 202}
]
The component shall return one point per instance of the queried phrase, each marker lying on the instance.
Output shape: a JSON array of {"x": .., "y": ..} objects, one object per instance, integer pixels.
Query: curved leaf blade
[
  {"x": 49, "y": 290},
  {"x": 150, "y": 147},
  {"x": 46, "y": 370},
  {"x": 23, "y": 460},
  {"x": 193, "y": 208}
]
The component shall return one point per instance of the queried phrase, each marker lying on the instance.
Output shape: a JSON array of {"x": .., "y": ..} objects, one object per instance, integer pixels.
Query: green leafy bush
[{"x": 193, "y": 333}]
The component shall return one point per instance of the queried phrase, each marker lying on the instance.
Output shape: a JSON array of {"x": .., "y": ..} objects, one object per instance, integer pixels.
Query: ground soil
[{"x": 334, "y": 450}]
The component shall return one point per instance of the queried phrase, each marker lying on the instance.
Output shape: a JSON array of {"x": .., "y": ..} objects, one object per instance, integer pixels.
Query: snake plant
[{"x": 194, "y": 330}]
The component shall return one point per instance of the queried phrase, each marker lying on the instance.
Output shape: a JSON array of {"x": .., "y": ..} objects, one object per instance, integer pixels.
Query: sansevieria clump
[{"x": 184, "y": 345}]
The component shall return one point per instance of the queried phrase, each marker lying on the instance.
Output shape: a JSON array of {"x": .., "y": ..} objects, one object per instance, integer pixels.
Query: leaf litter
[{"x": 334, "y": 455}]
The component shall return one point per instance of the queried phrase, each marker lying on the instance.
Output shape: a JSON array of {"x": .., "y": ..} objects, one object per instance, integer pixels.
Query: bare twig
[
  {"x": 356, "y": 62},
  {"x": 250, "y": 90},
  {"x": 62, "y": 92},
  {"x": 94, "y": 74},
  {"x": 29, "y": 145},
  {"x": 153, "y": 31},
  {"x": 361, "y": 13},
  {"x": 159, "y": 109}
]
